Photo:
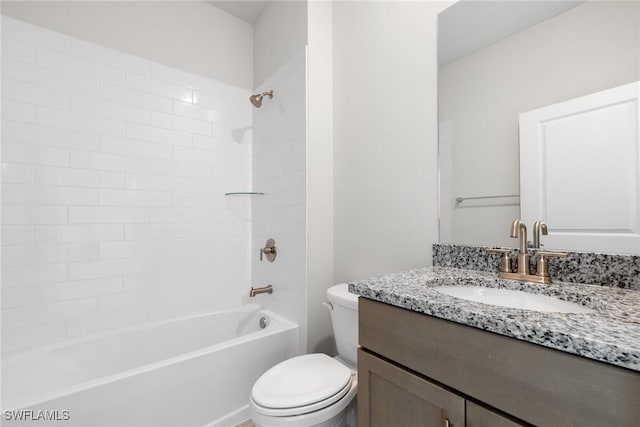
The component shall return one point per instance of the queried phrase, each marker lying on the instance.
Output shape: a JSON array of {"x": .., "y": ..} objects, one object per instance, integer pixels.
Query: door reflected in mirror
[{"x": 500, "y": 59}]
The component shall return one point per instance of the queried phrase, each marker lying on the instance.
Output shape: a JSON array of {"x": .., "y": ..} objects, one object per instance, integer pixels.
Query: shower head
[{"x": 256, "y": 100}]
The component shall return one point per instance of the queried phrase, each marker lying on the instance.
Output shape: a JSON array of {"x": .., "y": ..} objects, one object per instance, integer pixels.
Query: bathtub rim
[{"x": 16, "y": 404}]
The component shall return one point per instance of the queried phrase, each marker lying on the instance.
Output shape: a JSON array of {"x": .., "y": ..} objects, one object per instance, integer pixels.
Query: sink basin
[{"x": 513, "y": 299}]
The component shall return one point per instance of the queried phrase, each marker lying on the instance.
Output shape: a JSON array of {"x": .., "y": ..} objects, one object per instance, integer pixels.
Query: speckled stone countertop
[{"x": 611, "y": 335}]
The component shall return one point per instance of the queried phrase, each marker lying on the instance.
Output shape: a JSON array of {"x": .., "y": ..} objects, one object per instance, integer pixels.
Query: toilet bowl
[{"x": 314, "y": 390}]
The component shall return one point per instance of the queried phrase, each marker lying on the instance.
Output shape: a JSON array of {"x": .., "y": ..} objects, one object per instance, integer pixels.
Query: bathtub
[{"x": 192, "y": 371}]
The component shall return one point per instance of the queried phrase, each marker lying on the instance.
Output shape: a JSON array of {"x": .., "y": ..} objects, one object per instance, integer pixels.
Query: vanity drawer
[{"x": 538, "y": 385}]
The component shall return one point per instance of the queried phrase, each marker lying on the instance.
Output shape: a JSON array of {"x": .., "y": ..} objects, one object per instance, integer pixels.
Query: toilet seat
[{"x": 301, "y": 385}]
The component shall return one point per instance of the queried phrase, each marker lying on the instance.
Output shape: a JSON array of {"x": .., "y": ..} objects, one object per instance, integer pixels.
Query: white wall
[
  {"x": 320, "y": 175},
  {"x": 385, "y": 136},
  {"x": 279, "y": 33},
  {"x": 591, "y": 47},
  {"x": 189, "y": 35},
  {"x": 279, "y": 168},
  {"x": 113, "y": 175}
]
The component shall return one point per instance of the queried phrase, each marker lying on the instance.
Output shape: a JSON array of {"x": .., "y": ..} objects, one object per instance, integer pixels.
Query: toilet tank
[{"x": 344, "y": 317}]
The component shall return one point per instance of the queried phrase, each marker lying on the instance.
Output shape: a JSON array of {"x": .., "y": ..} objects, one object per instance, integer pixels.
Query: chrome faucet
[
  {"x": 523, "y": 273},
  {"x": 538, "y": 227},
  {"x": 519, "y": 229}
]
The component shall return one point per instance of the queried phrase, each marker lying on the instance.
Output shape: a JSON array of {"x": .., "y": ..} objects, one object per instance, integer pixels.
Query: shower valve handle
[{"x": 269, "y": 250}]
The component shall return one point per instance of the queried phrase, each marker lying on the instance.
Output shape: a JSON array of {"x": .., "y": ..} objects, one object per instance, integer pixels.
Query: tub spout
[{"x": 263, "y": 290}]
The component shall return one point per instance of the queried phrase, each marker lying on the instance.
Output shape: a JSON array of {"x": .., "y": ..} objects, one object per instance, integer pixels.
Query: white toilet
[{"x": 314, "y": 389}]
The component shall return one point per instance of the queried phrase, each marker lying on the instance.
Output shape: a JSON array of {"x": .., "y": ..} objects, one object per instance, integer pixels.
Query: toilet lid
[{"x": 301, "y": 381}]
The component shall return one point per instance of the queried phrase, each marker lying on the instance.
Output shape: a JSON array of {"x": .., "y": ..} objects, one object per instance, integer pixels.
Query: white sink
[{"x": 513, "y": 299}]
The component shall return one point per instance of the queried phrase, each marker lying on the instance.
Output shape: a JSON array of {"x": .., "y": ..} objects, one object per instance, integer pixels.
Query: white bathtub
[{"x": 191, "y": 371}]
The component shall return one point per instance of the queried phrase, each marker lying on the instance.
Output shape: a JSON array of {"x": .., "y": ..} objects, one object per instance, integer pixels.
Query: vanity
[
  {"x": 428, "y": 358},
  {"x": 531, "y": 127}
]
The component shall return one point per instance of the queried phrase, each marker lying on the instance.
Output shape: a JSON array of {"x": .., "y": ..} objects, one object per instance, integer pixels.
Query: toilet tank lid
[{"x": 339, "y": 294}]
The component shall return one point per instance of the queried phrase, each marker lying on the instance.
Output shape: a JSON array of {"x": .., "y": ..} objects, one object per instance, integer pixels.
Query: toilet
[{"x": 314, "y": 389}]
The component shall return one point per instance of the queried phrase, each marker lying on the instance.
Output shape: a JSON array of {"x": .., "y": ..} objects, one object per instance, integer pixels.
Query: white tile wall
[
  {"x": 113, "y": 211},
  {"x": 279, "y": 170}
]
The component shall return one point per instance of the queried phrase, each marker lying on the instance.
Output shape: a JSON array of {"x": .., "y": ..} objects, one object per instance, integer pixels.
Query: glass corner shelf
[{"x": 244, "y": 193}]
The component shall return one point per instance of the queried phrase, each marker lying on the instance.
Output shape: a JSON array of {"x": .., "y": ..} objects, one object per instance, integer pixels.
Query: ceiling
[
  {"x": 248, "y": 11},
  {"x": 469, "y": 25}
]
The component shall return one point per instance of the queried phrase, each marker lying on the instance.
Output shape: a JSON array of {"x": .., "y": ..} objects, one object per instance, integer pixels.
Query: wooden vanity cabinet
[
  {"x": 395, "y": 397},
  {"x": 392, "y": 396},
  {"x": 418, "y": 370}
]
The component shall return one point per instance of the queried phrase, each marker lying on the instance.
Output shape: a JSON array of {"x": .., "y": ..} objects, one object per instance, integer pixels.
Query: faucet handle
[
  {"x": 505, "y": 259},
  {"x": 542, "y": 266}
]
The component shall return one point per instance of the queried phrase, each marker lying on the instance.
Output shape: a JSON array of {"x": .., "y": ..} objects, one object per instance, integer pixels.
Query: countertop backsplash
[{"x": 615, "y": 270}]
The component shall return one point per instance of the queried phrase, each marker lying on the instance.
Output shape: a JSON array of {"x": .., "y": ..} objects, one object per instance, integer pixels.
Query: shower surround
[{"x": 114, "y": 170}]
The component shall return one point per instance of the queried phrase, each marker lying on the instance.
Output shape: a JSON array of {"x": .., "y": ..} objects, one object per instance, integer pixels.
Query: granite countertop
[{"x": 611, "y": 335}]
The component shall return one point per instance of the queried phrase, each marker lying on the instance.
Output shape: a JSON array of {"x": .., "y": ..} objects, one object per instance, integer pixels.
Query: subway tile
[
  {"x": 66, "y": 138},
  {"x": 210, "y": 100},
  {"x": 18, "y": 111},
  {"x": 47, "y": 254},
  {"x": 135, "y": 98},
  {"x": 159, "y": 135},
  {"x": 52, "y": 293},
  {"x": 108, "y": 162},
  {"x": 112, "y": 110},
  {"x": 208, "y": 186},
  {"x": 39, "y": 314},
  {"x": 107, "y": 215},
  {"x": 187, "y": 200},
  {"x": 129, "y": 249},
  {"x": 129, "y": 300},
  {"x": 157, "y": 183},
  {"x": 35, "y": 35},
  {"x": 221, "y": 145},
  {"x": 31, "y": 194},
  {"x": 184, "y": 124},
  {"x": 195, "y": 111},
  {"x": 96, "y": 269},
  {"x": 34, "y": 214},
  {"x": 104, "y": 322},
  {"x": 80, "y": 122},
  {"x": 18, "y": 296},
  {"x": 132, "y": 147},
  {"x": 13, "y": 235},
  {"x": 39, "y": 95},
  {"x": 17, "y": 173},
  {"x": 150, "y": 231},
  {"x": 12, "y": 48},
  {"x": 78, "y": 177},
  {"x": 230, "y": 104},
  {"x": 227, "y": 162},
  {"x": 34, "y": 154},
  {"x": 33, "y": 274},
  {"x": 37, "y": 75},
  {"x": 180, "y": 215},
  {"x": 153, "y": 86},
  {"x": 182, "y": 78},
  {"x": 134, "y": 198},
  {"x": 184, "y": 169},
  {"x": 69, "y": 64},
  {"x": 18, "y": 132},
  {"x": 111, "y": 57},
  {"x": 130, "y": 151},
  {"x": 76, "y": 233}
]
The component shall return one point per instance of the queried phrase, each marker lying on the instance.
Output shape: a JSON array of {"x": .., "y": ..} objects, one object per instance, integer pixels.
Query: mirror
[{"x": 500, "y": 59}]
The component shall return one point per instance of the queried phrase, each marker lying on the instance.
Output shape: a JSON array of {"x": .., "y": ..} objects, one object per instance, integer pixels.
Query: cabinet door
[
  {"x": 479, "y": 416},
  {"x": 391, "y": 396}
]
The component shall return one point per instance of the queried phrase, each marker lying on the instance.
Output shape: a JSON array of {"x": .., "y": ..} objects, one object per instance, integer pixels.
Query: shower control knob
[{"x": 269, "y": 250}]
